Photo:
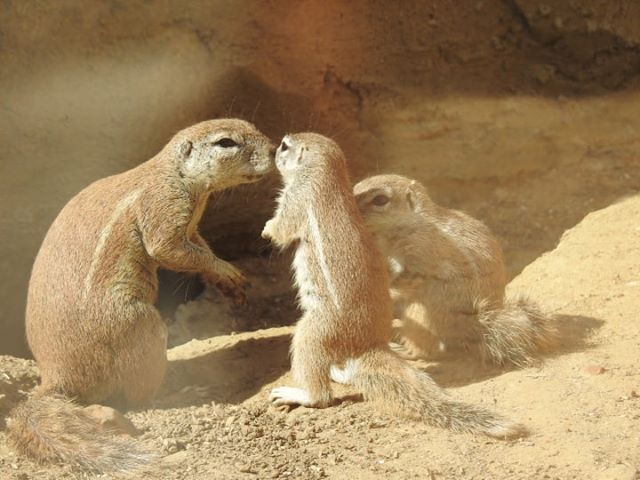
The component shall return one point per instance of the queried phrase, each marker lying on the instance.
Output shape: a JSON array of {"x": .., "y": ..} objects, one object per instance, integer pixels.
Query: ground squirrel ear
[
  {"x": 185, "y": 148},
  {"x": 412, "y": 196}
]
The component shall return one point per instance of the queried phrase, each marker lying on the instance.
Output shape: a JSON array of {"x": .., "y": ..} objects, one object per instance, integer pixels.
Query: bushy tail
[
  {"x": 514, "y": 333},
  {"x": 384, "y": 377},
  {"x": 53, "y": 428}
]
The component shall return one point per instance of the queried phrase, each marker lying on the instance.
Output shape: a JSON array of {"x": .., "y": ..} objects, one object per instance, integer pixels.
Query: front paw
[
  {"x": 236, "y": 294},
  {"x": 230, "y": 281},
  {"x": 269, "y": 230}
]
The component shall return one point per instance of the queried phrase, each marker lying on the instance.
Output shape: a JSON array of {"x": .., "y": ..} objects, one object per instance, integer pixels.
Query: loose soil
[{"x": 212, "y": 419}]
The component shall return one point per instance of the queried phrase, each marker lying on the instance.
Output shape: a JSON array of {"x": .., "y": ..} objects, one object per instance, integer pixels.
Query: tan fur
[
  {"x": 343, "y": 291},
  {"x": 448, "y": 278},
  {"x": 91, "y": 321},
  {"x": 65, "y": 433}
]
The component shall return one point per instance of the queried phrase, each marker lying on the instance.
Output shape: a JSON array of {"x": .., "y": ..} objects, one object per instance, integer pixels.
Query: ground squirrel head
[
  {"x": 306, "y": 153},
  {"x": 387, "y": 200},
  {"x": 217, "y": 154}
]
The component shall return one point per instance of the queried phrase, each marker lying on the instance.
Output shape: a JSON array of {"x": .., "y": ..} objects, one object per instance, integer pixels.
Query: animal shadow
[
  {"x": 574, "y": 334},
  {"x": 230, "y": 373}
]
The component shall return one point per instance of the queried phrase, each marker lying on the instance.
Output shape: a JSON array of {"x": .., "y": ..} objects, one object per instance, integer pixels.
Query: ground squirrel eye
[
  {"x": 226, "y": 143},
  {"x": 283, "y": 146},
  {"x": 380, "y": 200}
]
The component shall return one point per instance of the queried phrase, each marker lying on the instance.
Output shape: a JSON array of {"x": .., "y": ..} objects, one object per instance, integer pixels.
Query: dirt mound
[{"x": 212, "y": 420}]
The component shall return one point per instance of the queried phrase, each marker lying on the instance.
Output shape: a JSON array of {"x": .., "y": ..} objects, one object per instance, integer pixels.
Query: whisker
[{"x": 255, "y": 111}]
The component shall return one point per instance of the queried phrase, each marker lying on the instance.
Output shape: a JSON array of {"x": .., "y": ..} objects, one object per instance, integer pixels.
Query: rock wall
[{"x": 482, "y": 100}]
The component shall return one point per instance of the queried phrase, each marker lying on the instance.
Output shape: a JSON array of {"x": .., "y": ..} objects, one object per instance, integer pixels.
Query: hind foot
[
  {"x": 290, "y": 396},
  {"x": 295, "y": 396}
]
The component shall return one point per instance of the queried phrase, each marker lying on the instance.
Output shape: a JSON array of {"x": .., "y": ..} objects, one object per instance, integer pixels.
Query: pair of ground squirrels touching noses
[{"x": 360, "y": 254}]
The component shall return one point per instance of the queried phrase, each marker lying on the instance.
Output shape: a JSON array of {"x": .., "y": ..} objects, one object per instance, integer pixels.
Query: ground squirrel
[
  {"x": 343, "y": 290},
  {"x": 448, "y": 278},
  {"x": 91, "y": 321}
]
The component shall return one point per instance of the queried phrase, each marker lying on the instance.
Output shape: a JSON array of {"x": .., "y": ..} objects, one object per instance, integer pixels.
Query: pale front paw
[
  {"x": 289, "y": 396},
  {"x": 268, "y": 230}
]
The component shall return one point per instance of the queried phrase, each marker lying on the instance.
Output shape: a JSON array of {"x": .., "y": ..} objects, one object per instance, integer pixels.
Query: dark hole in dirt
[{"x": 195, "y": 312}]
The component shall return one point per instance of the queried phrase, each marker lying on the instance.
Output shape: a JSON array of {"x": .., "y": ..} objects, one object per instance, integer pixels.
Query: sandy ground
[
  {"x": 524, "y": 114},
  {"x": 583, "y": 406}
]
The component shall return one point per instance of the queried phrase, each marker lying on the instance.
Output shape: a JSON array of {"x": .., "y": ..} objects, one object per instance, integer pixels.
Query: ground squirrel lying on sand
[
  {"x": 343, "y": 290},
  {"x": 448, "y": 277},
  {"x": 91, "y": 322}
]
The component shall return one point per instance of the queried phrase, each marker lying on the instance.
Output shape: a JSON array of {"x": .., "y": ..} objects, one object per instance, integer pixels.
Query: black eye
[
  {"x": 283, "y": 146},
  {"x": 380, "y": 200},
  {"x": 226, "y": 143}
]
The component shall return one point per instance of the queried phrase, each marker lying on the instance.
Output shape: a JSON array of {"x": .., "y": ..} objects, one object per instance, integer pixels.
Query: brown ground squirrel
[
  {"x": 343, "y": 290},
  {"x": 90, "y": 319},
  {"x": 448, "y": 278}
]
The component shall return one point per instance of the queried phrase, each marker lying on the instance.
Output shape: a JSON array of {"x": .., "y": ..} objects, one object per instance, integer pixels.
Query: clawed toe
[{"x": 289, "y": 396}]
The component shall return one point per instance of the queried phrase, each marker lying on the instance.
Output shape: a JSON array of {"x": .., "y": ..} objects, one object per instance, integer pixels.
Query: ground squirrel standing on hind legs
[
  {"x": 91, "y": 321},
  {"x": 343, "y": 291},
  {"x": 448, "y": 278}
]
